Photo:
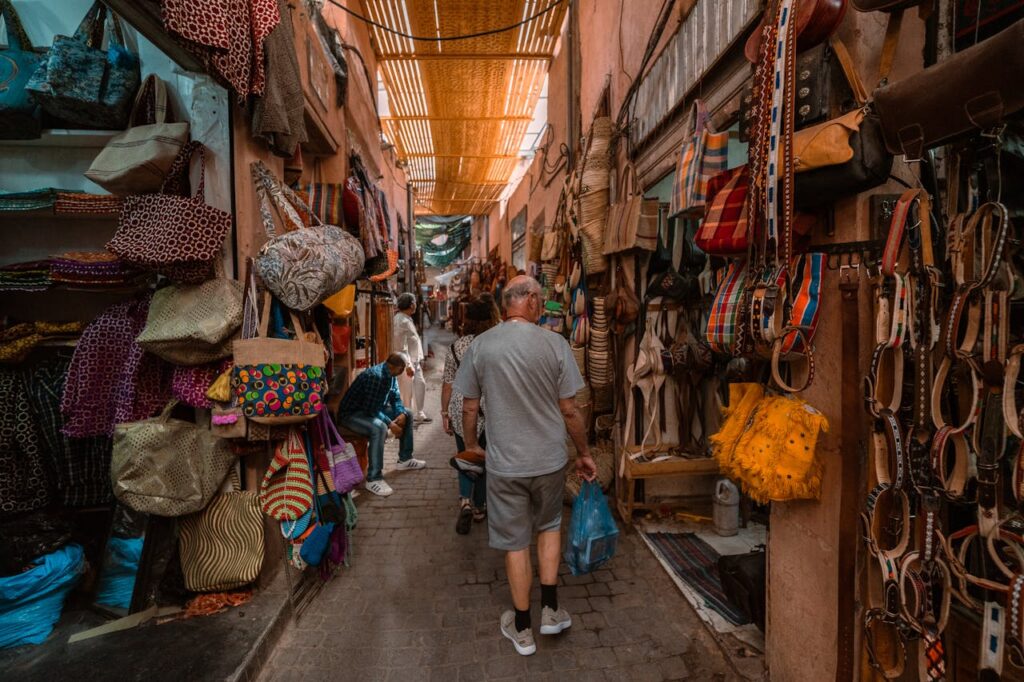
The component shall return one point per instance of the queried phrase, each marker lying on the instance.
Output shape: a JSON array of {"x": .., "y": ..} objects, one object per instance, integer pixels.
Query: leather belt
[
  {"x": 1013, "y": 417},
  {"x": 955, "y": 482},
  {"x": 937, "y": 390}
]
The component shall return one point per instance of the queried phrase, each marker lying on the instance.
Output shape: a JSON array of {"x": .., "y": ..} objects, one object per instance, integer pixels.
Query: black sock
[
  {"x": 549, "y": 596},
  {"x": 522, "y": 620}
]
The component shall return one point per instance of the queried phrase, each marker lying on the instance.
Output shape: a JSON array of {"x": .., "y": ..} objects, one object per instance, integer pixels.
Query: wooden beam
[
  {"x": 441, "y": 181},
  {"x": 441, "y": 119},
  {"x": 460, "y": 156},
  {"x": 464, "y": 56}
]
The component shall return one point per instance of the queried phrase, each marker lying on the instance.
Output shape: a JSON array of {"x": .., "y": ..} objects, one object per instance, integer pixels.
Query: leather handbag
[
  {"x": 279, "y": 381},
  {"x": 971, "y": 91},
  {"x": 622, "y": 303},
  {"x": 171, "y": 233},
  {"x": 167, "y": 467},
  {"x": 19, "y": 114},
  {"x": 221, "y": 547},
  {"x": 704, "y": 154},
  {"x": 843, "y": 156},
  {"x": 725, "y": 318},
  {"x": 137, "y": 160},
  {"x": 633, "y": 220},
  {"x": 744, "y": 583},
  {"x": 84, "y": 85},
  {"x": 725, "y": 230},
  {"x": 192, "y": 324},
  {"x": 303, "y": 266}
]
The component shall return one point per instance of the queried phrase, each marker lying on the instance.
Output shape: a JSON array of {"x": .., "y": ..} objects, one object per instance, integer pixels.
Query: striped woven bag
[
  {"x": 723, "y": 321},
  {"x": 703, "y": 155},
  {"x": 286, "y": 492},
  {"x": 221, "y": 547}
]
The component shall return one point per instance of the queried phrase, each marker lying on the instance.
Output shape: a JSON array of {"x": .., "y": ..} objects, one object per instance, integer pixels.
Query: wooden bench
[{"x": 634, "y": 471}]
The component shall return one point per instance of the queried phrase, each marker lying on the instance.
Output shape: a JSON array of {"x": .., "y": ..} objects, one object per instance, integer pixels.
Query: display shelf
[
  {"x": 66, "y": 137},
  {"x": 51, "y": 214}
]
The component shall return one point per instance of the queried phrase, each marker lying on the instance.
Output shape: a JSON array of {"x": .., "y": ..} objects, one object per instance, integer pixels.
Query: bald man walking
[{"x": 530, "y": 380}]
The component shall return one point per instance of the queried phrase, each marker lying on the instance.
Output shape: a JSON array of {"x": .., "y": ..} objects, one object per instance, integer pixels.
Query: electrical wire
[{"x": 432, "y": 39}]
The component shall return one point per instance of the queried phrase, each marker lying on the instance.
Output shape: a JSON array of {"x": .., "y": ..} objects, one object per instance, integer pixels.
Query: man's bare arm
[{"x": 470, "y": 417}]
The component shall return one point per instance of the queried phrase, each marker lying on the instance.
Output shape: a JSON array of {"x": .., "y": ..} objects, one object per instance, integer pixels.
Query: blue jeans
[
  {"x": 472, "y": 486},
  {"x": 375, "y": 428}
]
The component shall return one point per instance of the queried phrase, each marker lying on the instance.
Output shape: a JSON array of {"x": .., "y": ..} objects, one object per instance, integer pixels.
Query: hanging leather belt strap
[
  {"x": 1013, "y": 417},
  {"x": 850, "y": 447}
]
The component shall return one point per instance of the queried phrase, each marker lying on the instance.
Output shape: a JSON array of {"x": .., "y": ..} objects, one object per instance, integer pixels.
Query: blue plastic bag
[
  {"x": 593, "y": 534},
  {"x": 120, "y": 566},
  {"x": 31, "y": 602}
]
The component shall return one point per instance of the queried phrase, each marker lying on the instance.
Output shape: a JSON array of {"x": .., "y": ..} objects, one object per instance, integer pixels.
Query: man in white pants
[{"x": 405, "y": 339}]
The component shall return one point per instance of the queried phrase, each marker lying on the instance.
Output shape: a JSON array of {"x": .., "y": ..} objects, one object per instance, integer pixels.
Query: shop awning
[{"x": 459, "y": 109}]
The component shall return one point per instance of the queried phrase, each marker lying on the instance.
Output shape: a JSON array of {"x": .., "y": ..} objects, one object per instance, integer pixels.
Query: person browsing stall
[
  {"x": 527, "y": 375},
  {"x": 371, "y": 407},
  {"x": 406, "y": 339}
]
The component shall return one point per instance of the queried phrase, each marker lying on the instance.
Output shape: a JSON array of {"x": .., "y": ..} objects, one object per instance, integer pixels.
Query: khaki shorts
[{"x": 517, "y": 508}]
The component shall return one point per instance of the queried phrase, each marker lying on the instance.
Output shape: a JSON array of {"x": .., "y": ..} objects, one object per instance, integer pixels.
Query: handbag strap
[
  {"x": 16, "y": 36},
  {"x": 274, "y": 194},
  {"x": 265, "y": 318},
  {"x": 177, "y": 180},
  {"x": 860, "y": 93},
  {"x": 87, "y": 29},
  {"x": 150, "y": 105},
  {"x": 250, "y": 303}
]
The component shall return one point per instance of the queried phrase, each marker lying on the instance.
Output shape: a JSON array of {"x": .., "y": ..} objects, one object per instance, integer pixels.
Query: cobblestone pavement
[{"x": 422, "y": 603}]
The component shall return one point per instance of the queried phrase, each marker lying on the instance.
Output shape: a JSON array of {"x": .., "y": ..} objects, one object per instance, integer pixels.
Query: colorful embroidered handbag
[
  {"x": 286, "y": 492},
  {"x": 279, "y": 381},
  {"x": 724, "y": 320},
  {"x": 725, "y": 230},
  {"x": 304, "y": 266},
  {"x": 171, "y": 233},
  {"x": 704, "y": 154},
  {"x": 84, "y": 85},
  {"x": 19, "y": 114}
]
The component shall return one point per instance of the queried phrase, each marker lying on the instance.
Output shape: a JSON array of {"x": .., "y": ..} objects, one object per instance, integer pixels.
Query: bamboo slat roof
[{"x": 460, "y": 109}]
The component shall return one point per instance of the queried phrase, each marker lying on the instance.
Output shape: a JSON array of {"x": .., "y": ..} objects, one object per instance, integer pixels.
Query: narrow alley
[{"x": 422, "y": 603}]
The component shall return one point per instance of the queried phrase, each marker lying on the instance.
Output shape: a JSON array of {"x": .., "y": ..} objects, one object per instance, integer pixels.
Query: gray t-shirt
[{"x": 522, "y": 371}]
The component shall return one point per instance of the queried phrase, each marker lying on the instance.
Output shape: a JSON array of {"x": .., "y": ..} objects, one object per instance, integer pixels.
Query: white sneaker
[
  {"x": 379, "y": 488},
  {"x": 412, "y": 463},
  {"x": 552, "y": 622},
  {"x": 522, "y": 640},
  {"x": 423, "y": 418}
]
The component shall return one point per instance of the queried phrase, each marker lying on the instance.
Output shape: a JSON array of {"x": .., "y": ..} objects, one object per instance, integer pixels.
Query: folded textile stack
[
  {"x": 32, "y": 200},
  {"x": 18, "y": 340},
  {"x": 92, "y": 269},
  {"x": 30, "y": 276},
  {"x": 81, "y": 202}
]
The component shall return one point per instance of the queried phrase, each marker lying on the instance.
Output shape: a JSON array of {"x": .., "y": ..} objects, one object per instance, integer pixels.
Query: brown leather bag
[
  {"x": 883, "y": 5},
  {"x": 973, "y": 90},
  {"x": 622, "y": 304}
]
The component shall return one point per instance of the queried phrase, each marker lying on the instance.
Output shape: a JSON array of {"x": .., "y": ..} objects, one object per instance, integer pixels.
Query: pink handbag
[
  {"x": 171, "y": 233},
  {"x": 345, "y": 469}
]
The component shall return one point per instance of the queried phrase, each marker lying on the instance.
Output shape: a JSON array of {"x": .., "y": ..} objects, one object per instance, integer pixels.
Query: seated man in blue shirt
[{"x": 372, "y": 406}]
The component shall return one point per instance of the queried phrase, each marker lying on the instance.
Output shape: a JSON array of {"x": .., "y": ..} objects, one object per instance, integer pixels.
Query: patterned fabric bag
[
  {"x": 192, "y": 324},
  {"x": 286, "y": 492},
  {"x": 724, "y": 321},
  {"x": 807, "y": 272},
  {"x": 279, "y": 381},
  {"x": 725, "y": 230},
  {"x": 344, "y": 466},
  {"x": 304, "y": 266},
  {"x": 111, "y": 380},
  {"x": 19, "y": 115},
  {"x": 221, "y": 547},
  {"x": 704, "y": 154},
  {"x": 168, "y": 467},
  {"x": 84, "y": 85},
  {"x": 172, "y": 233}
]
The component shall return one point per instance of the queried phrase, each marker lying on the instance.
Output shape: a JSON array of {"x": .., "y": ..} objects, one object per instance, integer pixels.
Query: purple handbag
[{"x": 345, "y": 470}]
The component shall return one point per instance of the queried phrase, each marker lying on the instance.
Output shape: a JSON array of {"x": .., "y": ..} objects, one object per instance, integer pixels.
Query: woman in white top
[{"x": 480, "y": 315}]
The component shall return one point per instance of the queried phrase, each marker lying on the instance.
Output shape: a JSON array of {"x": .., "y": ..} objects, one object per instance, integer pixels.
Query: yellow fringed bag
[{"x": 768, "y": 444}]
